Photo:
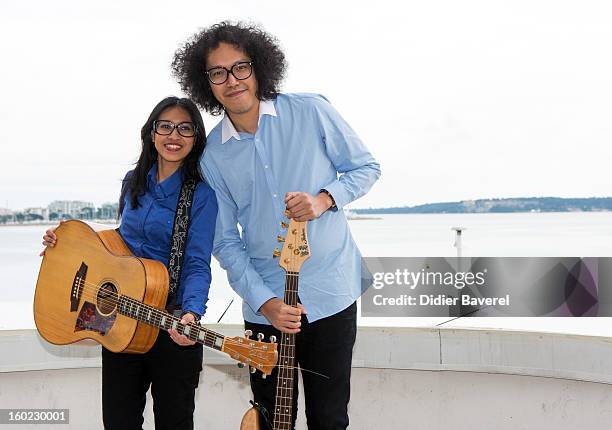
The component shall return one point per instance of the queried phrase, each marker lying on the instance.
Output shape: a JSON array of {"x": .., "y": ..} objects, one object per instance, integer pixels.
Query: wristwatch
[{"x": 333, "y": 206}]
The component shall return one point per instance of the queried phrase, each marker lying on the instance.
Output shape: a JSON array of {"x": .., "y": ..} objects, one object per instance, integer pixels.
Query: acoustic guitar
[
  {"x": 295, "y": 251},
  {"x": 90, "y": 286}
]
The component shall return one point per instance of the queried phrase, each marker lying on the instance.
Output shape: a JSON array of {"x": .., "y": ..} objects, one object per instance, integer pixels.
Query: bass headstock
[{"x": 295, "y": 249}]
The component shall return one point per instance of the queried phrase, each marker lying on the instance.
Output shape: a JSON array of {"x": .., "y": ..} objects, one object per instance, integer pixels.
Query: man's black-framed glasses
[
  {"x": 241, "y": 71},
  {"x": 165, "y": 128}
]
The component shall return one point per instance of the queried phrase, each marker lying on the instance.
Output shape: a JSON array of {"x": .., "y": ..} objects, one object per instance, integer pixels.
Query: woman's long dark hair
[{"x": 135, "y": 183}]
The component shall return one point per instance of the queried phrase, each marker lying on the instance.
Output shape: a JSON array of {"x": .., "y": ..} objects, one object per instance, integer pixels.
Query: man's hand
[
  {"x": 282, "y": 316},
  {"x": 305, "y": 207},
  {"x": 181, "y": 339}
]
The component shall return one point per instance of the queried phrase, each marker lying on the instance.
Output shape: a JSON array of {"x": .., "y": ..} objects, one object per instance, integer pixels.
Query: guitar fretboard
[
  {"x": 286, "y": 363},
  {"x": 149, "y": 315}
]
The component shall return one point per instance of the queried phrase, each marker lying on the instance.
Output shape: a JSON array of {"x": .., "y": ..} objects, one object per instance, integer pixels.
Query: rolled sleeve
[{"x": 357, "y": 167}]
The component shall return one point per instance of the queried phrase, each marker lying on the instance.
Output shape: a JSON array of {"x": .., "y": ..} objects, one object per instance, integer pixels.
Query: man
[{"x": 273, "y": 152}]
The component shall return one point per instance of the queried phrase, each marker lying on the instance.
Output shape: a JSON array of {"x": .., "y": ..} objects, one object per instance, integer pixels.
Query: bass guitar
[{"x": 295, "y": 251}]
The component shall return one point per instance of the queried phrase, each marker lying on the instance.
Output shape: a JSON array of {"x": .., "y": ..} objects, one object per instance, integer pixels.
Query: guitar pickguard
[{"x": 91, "y": 319}]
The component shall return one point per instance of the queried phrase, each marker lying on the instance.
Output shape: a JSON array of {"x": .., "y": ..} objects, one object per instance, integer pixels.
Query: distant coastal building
[
  {"x": 108, "y": 211},
  {"x": 37, "y": 213},
  {"x": 6, "y": 215},
  {"x": 60, "y": 210},
  {"x": 71, "y": 209}
]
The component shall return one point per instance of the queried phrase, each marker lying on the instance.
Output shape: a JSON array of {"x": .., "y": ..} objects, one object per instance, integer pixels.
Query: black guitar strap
[{"x": 179, "y": 239}]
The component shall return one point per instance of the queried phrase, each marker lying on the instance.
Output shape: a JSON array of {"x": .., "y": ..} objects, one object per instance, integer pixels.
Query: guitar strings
[
  {"x": 87, "y": 293},
  {"x": 113, "y": 301},
  {"x": 283, "y": 408},
  {"x": 210, "y": 336}
]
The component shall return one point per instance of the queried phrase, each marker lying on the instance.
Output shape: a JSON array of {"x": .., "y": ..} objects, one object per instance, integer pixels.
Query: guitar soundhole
[{"x": 107, "y": 298}]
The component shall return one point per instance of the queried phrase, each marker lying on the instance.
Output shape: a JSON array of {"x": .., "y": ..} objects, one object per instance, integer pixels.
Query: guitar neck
[
  {"x": 142, "y": 312},
  {"x": 283, "y": 401}
]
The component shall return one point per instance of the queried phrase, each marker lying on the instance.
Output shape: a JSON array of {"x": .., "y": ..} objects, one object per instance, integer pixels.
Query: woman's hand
[
  {"x": 181, "y": 339},
  {"x": 49, "y": 239}
]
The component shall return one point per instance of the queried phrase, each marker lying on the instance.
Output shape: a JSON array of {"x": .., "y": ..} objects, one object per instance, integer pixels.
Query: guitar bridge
[{"x": 77, "y": 287}]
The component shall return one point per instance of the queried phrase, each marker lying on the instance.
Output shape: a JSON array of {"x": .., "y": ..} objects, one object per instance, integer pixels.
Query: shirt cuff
[
  {"x": 338, "y": 193},
  {"x": 197, "y": 316},
  {"x": 257, "y": 297}
]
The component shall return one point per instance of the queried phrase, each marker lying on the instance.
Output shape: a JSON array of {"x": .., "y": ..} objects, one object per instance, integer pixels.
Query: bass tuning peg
[
  {"x": 248, "y": 333},
  {"x": 273, "y": 339},
  {"x": 260, "y": 336}
]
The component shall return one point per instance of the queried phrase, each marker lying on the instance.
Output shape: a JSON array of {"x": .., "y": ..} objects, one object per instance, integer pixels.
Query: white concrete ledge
[{"x": 552, "y": 355}]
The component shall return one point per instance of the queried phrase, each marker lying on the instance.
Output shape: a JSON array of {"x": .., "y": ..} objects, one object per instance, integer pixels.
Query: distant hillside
[{"x": 526, "y": 204}]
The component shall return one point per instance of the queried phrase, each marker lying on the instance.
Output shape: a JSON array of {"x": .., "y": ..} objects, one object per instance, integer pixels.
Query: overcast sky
[{"x": 456, "y": 99}]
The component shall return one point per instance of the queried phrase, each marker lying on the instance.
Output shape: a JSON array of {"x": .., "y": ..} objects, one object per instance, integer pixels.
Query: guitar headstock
[
  {"x": 295, "y": 250},
  {"x": 258, "y": 355}
]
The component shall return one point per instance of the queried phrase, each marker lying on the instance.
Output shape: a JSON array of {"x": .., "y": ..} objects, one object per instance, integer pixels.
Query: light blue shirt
[{"x": 301, "y": 144}]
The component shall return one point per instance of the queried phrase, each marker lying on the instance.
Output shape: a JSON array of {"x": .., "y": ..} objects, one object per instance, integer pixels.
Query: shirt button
[
  {"x": 266, "y": 166},
  {"x": 275, "y": 195}
]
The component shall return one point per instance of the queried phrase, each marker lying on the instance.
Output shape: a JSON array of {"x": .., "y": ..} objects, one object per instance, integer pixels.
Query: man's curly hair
[{"x": 189, "y": 64}]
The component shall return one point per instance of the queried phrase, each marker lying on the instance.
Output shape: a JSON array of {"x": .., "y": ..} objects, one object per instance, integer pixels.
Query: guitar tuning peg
[
  {"x": 240, "y": 365},
  {"x": 248, "y": 333},
  {"x": 263, "y": 376},
  {"x": 273, "y": 339},
  {"x": 280, "y": 238},
  {"x": 276, "y": 253},
  {"x": 287, "y": 213},
  {"x": 260, "y": 336},
  {"x": 284, "y": 225},
  {"x": 252, "y": 370}
]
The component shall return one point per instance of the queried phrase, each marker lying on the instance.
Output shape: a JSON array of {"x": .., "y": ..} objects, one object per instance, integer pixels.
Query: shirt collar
[
  {"x": 168, "y": 186},
  {"x": 266, "y": 107}
]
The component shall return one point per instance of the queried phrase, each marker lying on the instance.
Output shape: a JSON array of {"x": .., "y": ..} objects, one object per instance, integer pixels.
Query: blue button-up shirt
[
  {"x": 301, "y": 144},
  {"x": 147, "y": 231}
]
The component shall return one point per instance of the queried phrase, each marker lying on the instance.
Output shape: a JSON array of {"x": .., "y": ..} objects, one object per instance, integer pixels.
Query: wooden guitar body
[
  {"x": 90, "y": 286},
  {"x": 250, "y": 420},
  {"x": 79, "y": 281}
]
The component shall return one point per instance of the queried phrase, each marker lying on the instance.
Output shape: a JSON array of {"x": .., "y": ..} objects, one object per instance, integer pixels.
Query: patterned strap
[{"x": 179, "y": 238}]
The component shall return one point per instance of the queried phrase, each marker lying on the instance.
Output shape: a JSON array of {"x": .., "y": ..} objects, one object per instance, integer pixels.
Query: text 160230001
[{"x": 34, "y": 416}]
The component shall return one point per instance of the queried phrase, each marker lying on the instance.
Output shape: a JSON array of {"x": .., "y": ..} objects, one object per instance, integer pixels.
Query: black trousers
[
  {"x": 326, "y": 347},
  {"x": 172, "y": 371}
]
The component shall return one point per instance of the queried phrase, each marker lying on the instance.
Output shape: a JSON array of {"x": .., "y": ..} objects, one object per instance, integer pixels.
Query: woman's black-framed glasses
[
  {"x": 165, "y": 128},
  {"x": 241, "y": 71}
]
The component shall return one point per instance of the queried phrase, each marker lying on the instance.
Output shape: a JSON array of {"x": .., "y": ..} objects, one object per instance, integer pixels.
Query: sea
[{"x": 570, "y": 234}]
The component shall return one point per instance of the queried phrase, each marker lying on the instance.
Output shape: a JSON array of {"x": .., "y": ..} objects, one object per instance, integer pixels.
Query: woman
[{"x": 173, "y": 139}]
